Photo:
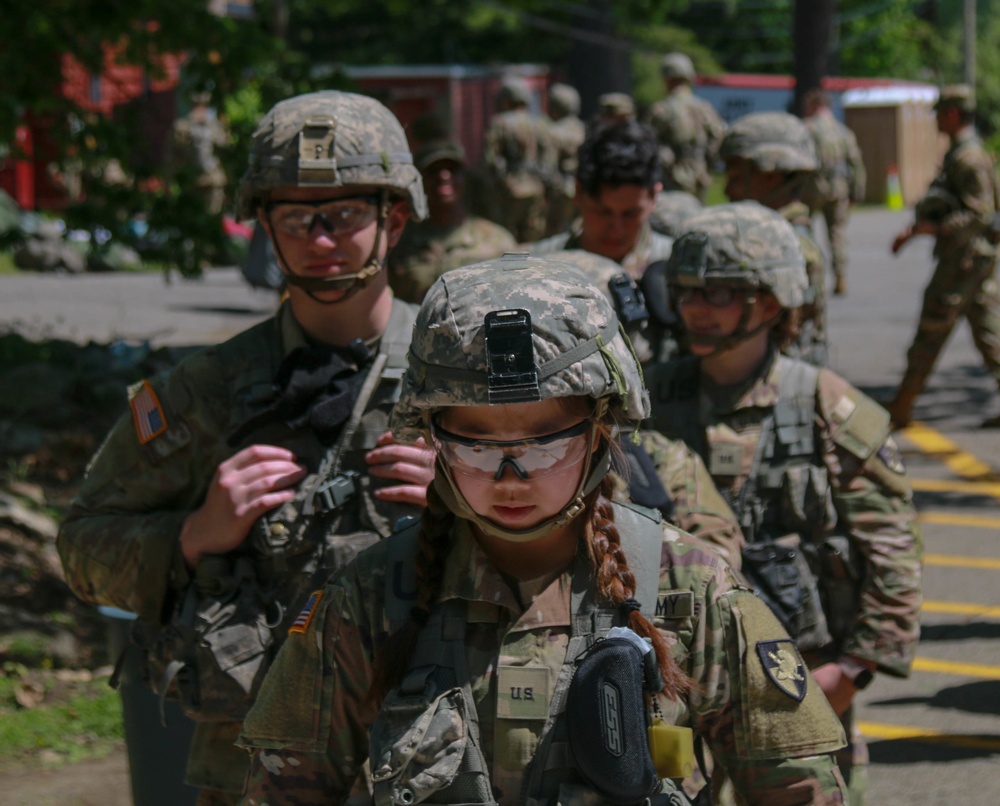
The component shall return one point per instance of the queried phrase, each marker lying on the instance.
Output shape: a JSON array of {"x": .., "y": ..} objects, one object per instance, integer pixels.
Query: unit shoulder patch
[{"x": 783, "y": 666}]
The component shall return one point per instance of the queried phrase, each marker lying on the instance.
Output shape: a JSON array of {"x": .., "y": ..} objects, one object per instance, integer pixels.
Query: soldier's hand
[
  {"x": 901, "y": 239},
  {"x": 412, "y": 464},
  {"x": 245, "y": 486},
  {"x": 837, "y": 686}
]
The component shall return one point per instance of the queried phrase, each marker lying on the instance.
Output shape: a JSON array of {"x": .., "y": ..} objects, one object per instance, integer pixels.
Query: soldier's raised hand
[{"x": 244, "y": 487}]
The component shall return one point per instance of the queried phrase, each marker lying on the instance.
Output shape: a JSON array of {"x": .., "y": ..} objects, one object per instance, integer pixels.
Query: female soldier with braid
[{"x": 447, "y": 656}]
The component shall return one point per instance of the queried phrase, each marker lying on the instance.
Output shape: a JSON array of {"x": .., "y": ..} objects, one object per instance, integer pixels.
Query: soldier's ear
[{"x": 399, "y": 214}]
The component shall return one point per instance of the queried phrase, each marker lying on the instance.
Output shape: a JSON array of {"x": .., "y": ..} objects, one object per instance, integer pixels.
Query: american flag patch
[
  {"x": 147, "y": 413},
  {"x": 301, "y": 623}
]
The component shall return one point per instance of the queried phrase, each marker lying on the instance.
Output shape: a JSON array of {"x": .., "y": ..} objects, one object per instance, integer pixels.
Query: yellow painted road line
[
  {"x": 990, "y": 488},
  {"x": 954, "y": 561},
  {"x": 955, "y": 519},
  {"x": 963, "y": 464},
  {"x": 961, "y": 609},
  {"x": 881, "y": 730},
  {"x": 935, "y": 666}
]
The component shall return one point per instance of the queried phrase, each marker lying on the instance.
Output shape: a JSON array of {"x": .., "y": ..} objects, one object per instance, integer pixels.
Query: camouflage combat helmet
[
  {"x": 742, "y": 244},
  {"x": 773, "y": 141},
  {"x": 559, "y": 338},
  {"x": 677, "y": 65},
  {"x": 673, "y": 208},
  {"x": 514, "y": 91},
  {"x": 330, "y": 139},
  {"x": 958, "y": 96},
  {"x": 564, "y": 99}
]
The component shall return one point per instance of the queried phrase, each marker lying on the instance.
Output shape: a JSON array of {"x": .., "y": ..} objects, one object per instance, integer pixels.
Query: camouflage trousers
[
  {"x": 523, "y": 217},
  {"x": 835, "y": 215},
  {"x": 954, "y": 292}
]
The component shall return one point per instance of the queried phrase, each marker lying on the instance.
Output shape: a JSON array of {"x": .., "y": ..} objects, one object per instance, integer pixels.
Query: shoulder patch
[
  {"x": 783, "y": 666},
  {"x": 147, "y": 412},
  {"x": 304, "y": 618}
]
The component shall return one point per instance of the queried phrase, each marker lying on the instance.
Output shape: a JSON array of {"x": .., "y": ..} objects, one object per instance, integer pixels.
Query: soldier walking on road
[
  {"x": 838, "y": 183},
  {"x": 770, "y": 158},
  {"x": 518, "y": 161},
  {"x": 958, "y": 210},
  {"x": 450, "y": 237},
  {"x": 689, "y": 129},
  {"x": 195, "y": 141},
  {"x": 805, "y": 459},
  {"x": 462, "y": 657},
  {"x": 258, "y": 467}
]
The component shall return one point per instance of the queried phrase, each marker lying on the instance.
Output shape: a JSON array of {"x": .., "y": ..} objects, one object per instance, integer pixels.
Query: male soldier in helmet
[
  {"x": 769, "y": 158},
  {"x": 567, "y": 132},
  {"x": 959, "y": 210},
  {"x": 805, "y": 459},
  {"x": 518, "y": 161},
  {"x": 450, "y": 237},
  {"x": 257, "y": 467},
  {"x": 688, "y": 128}
]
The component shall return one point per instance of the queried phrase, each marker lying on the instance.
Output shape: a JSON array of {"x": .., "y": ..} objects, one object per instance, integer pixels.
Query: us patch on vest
[
  {"x": 675, "y": 604},
  {"x": 147, "y": 412},
  {"x": 784, "y": 666},
  {"x": 522, "y": 692},
  {"x": 303, "y": 619},
  {"x": 726, "y": 459}
]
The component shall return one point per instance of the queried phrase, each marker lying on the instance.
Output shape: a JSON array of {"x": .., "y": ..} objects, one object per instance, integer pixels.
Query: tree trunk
[
  {"x": 600, "y": 64},
  {"x": 812, "y": 27}
]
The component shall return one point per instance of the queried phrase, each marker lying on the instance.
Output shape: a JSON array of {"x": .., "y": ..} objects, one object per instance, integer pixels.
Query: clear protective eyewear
[
  {"x": 338, "y": 217},
  {"x": 716, "y": 296},
  {"x": 533, "y": 458}
]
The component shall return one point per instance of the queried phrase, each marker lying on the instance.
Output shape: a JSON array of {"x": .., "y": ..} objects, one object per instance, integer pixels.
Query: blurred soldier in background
[
  {"x": 959, "y": 210},
  {"x": 567, "y": 132},
  {"x": 617, "y": 179},
  {"x": 194, "y": 140},
  {"x": 450, "y": 237},
  {"x": 688, "y": 128},
  {"x": 614, "y": 107},
  {"x": 518, "y": 161},
  {"x": 839, "y": 182},
  {"x": 770, "y": 158}
]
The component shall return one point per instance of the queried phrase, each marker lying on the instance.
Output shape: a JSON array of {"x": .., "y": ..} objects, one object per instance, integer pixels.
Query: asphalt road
[{"x": 935, "y": 737}]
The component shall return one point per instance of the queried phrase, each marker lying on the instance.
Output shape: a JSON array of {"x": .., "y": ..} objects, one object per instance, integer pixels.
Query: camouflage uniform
[
  {"x": 839, "y": 182},
  {"x": 120, "y": 541},
  {"x": 567, "y": 132},
  {"x": 962, "y": 202},
  {"x": 689, "y": 129},
  {"x": 828, "y": 477},
  {"x": 426, "y": 251},
  {"x": 518, "y": 159},
  {"x": 466, "y": 734},
  {"x": 776, "y": 142}
]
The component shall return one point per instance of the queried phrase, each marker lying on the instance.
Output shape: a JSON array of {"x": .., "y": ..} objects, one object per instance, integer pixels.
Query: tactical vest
[
  {"x": 807, "y": 572},
  {"x": 420, "y": 751},
  {"x": 228, "y": 623}
]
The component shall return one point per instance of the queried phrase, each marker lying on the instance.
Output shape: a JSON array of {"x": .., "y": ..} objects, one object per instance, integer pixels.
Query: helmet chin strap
[
  {"x": 362, "y": 279},
  {"x": 596, "y": 469}
]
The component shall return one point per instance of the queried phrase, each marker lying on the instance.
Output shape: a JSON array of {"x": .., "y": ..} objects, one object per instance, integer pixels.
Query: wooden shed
[{"x": 897, "y": 131}]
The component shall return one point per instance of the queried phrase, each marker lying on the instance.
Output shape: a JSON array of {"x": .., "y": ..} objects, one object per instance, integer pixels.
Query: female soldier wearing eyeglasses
[{"x": 464, "y": 658}]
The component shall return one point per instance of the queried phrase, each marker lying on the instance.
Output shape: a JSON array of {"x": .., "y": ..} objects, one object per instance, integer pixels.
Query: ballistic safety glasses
[
  {"x": 338, "y": 217},
  {"x": 717, "y": 296},
  {"x": 487, "y": 459}
]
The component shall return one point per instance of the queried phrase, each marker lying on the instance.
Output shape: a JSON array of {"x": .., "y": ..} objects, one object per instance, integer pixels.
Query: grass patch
[
  {"x": 7, "y": 264},
  {"x": 84, "y": 721}
]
